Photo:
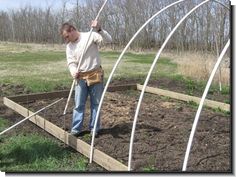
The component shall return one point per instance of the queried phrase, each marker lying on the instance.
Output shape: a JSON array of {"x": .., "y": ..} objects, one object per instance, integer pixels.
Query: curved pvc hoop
[
  {"x": 114, "y": 68},
  {"x": 148, "y": 77},
  {"x": 201, "y": 105},
  {"x": 81, "y": 57}
]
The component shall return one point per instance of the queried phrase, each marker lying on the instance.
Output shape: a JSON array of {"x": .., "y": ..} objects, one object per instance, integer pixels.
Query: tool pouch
[
  {"x": 95, "y": 77},
  {"x": 92, "y": 77}
]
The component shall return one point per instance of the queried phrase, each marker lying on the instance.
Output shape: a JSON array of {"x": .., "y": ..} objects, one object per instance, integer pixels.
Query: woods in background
[{"x": 122, "y": 18}]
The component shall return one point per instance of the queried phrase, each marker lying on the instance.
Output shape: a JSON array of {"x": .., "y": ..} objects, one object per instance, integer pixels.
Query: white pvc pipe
[
  {"x": 201, "y": 105},
  {"x": 29, "y": 116},
  {"x": 114, "y": 68},
  {"x": 148, "y": 77},
  {"x": 81, "y": 57},
  {"x": 68, "y": 99}
]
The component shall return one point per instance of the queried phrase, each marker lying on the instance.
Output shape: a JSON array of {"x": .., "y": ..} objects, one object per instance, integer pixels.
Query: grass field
[
  {"x": 34, "y": 153},
  {"x": 47, "y": 69},
  {"x": 43, "y": 68}
]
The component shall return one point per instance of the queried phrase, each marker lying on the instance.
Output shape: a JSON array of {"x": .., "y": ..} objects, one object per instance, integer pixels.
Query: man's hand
[
  {"x": 96, "y": 25},
  {"x": 75, "y": 75}
]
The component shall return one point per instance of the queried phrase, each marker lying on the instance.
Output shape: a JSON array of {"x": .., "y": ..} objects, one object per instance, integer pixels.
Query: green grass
[
  {"x": 38, "y": 154},
  {"x": 3, "y": 124},
  {"x": 47, "y": 70},
  {"x": 34, "y": 153},
  {"x": 136, "y": 66},
  {"x": 195, "y": 105},
  {"x": 111, "y": 55},
  {"x": 140, "y": 58},
  {"x": 37, "y": 71},
  {"x": 29, "y": 57},
  {"x": 150, "y": 169},
  {"x": 199, "y": 86}
]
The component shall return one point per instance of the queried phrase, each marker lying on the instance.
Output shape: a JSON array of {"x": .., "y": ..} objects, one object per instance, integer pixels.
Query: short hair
[{"x": 66, "y": 27}]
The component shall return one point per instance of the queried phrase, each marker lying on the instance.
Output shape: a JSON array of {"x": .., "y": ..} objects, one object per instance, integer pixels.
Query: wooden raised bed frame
[{"x": 99, "y": 157}]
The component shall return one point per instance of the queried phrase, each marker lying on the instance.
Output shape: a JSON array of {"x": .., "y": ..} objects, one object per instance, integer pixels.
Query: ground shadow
[
  {"x": 126, "y": 128},
  {"x": 21, "y": 155}
]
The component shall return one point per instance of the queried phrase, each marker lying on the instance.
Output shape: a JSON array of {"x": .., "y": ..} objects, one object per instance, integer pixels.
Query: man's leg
[
  {"x": 95, "y": 92},
  {"x": 81, "y": 94}
]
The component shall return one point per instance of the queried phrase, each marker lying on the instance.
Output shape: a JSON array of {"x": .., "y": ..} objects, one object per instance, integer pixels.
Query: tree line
[{"x": 202, "y": 30}]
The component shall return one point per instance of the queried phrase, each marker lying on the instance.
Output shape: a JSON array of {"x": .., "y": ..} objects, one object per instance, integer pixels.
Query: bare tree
[{"x": 122, "y": 19}]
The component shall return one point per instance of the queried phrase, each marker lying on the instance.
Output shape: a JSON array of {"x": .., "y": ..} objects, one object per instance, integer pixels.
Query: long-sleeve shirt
[{"x": 91, "y": 59}]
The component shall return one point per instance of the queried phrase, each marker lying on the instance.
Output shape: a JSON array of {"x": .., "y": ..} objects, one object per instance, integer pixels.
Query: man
[{"x": 90, "y": 75}]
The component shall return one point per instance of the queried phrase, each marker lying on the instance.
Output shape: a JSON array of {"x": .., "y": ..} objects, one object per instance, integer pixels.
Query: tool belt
[{"x": 92, "y": 77}]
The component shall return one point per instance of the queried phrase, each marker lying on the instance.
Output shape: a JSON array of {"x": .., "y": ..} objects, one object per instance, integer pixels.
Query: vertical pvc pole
[
  {"x": 81, "y": 57},
  {"x": 148, "y": 77},
  {"x": 114, "y": 68},
  {"x": 201, "y": 105}
]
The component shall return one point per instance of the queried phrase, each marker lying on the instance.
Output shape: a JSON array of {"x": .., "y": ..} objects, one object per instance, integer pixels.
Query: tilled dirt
[
  {"x": 161, "y": 136},
  {"x": 162, "y": 132}
]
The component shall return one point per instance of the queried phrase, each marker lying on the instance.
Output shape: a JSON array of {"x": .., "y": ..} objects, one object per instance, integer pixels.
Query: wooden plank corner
[{"x": 99, "y": 157}]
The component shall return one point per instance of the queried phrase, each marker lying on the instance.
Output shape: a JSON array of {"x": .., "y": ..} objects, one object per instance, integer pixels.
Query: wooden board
[
  {"x": 37, "y": 96},
  {"x": 99, "y": 157},
  {"x": 183, "y": 97},
  {"x": 63, "y": 93}
]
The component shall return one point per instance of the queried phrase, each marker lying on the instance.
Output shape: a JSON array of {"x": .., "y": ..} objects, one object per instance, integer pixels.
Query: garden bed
[{"x": 162, "y": 132}]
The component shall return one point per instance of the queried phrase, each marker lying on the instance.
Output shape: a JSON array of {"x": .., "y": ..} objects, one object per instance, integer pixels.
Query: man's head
[{"x": 69, "y": 32}]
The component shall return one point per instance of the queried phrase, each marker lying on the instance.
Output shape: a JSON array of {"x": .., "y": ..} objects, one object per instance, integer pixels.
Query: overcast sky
[{"x": 16, "y": 4}]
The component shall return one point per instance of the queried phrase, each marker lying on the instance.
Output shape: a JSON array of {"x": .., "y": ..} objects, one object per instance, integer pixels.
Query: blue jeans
[{"x": 81, "y": 93}]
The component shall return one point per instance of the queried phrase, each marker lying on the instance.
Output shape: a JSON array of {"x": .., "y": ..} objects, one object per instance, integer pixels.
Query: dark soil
[{"x": 162, "y": 132}]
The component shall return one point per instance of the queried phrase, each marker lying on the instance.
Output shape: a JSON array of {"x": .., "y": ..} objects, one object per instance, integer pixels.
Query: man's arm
[
  {"x": 103, "y": 36},
  {"x": 106, "y": 36},
  {"x": 71, "y": 62}
]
